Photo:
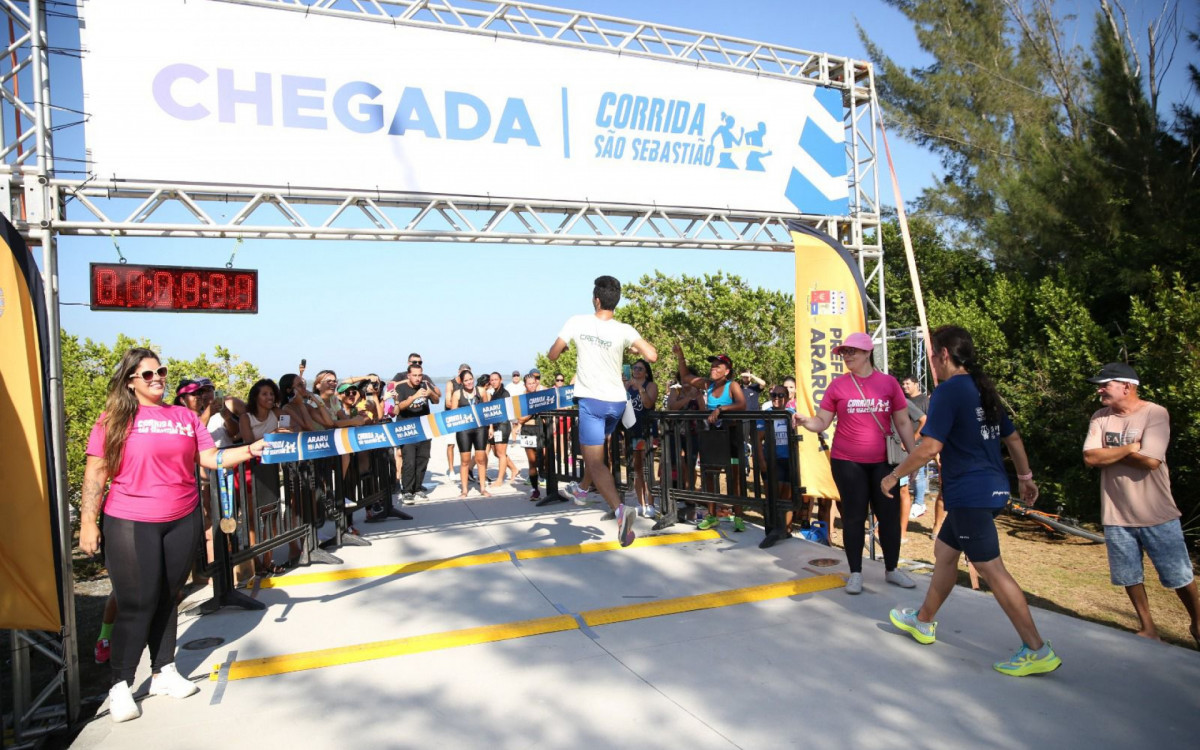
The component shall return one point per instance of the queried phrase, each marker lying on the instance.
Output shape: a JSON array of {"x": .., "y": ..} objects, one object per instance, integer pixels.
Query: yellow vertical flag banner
[
  {"x": 830, "y": 305},
  {"x": 28, "y": 563}
]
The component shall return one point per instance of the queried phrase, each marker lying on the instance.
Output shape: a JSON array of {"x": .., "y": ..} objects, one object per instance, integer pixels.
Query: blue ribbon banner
[{"x": 288, "y": 447}]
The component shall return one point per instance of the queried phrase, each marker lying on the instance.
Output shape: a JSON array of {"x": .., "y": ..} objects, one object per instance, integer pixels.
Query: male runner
[{"x": 600, "y": 343}]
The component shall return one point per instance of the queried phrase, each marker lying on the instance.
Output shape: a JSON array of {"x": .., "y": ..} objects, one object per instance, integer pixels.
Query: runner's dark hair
[
  {"x": 957, "y": 341},
  {"x": 608, "y": 290}
]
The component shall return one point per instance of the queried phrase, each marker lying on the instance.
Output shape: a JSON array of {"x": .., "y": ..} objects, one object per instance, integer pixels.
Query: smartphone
[
  {"x": 626, "y": 372},
  {"x": 303, "y": 362}
]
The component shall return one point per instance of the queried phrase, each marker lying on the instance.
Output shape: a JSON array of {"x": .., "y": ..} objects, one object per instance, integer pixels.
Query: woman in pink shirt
[
  {"x": 152, "y": 520},
  {"x": 867, "y": 404}
]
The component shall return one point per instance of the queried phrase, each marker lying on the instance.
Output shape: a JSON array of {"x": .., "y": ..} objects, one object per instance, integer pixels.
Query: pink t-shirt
[
  {"x": 857, "y": 437},
  {"x": 157, "y": 478}
]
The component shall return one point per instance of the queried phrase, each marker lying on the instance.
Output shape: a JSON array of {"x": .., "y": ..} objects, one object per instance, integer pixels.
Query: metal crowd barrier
[
  {"x": 286, "y": 504},
  {"x": 731, "y": 463},
  {"x": 686, "y": 461}
]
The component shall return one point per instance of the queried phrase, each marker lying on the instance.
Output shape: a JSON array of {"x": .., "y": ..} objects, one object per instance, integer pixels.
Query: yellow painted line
[
  {"x": 329, "y": 657},
  {"x": 716, "y": 599},
  {"x": 378, "y": 571},
  {"x": 490, "y": 558}
]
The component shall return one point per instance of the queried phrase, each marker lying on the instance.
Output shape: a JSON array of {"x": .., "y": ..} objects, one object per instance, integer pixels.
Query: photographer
[{"x": 413, "y": 398}]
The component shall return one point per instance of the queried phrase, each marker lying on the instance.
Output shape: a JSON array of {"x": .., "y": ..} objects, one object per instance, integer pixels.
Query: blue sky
[{"x": 363, "y": 306}]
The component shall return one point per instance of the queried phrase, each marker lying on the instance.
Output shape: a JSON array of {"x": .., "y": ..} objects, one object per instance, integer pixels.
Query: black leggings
[
  {"x": 858, "y": 484},
  {"x": 148, "y": 563}
]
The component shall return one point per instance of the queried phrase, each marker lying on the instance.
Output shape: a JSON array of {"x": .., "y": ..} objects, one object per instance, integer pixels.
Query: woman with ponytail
[
  {"x": 151, "y": 518},
  {"x": 966, "y": 424}
]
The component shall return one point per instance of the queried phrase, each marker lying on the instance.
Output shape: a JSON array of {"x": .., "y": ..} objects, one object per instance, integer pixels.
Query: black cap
[{"x": 1118, "y": 371}]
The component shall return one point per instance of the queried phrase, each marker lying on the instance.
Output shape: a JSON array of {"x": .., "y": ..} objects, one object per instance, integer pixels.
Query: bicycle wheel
[
  {"x": 1067, "y": 528},
  {"x": 1054, "y": 523}
]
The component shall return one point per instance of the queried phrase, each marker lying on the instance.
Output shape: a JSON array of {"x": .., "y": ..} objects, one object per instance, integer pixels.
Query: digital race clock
[{"x": 119, "y": 286}]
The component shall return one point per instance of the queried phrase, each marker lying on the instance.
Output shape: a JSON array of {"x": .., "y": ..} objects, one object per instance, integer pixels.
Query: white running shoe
[
  {"x": 917, "y": 511},
  {"x": 900, "y": 578},
  {"x": 169, "y": 682},
  {"x": 576, "y": 494},
  {"x": 625, "y": 532},
  {"x": 121, "y": 705},
  {"x": 854, "y": 583}
]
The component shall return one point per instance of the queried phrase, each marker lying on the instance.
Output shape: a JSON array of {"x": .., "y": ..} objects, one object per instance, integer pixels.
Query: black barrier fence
[
  {"x": 688, "y": 462},
  {"x": 275, "y": 505}
]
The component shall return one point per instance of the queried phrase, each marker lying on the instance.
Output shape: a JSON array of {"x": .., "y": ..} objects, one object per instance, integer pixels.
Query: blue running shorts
[
  {"x": 598, "y": 419},
  {"x": 972, "y": 531}
]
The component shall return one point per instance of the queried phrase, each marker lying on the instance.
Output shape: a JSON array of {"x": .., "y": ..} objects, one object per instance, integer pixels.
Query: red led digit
[
  {"x": 189, "y": 290},
  {"x": 218, "y": 287},
  {"x": 243, "y": 291},
  {"x": 164, "y": 290},
  {"x": 104, "y": 288},
  {"x": 135, "y": 288}
]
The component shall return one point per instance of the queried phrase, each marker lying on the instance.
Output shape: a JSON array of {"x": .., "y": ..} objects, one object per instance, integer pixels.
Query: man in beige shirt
[{"x": 1127, "y": 440}]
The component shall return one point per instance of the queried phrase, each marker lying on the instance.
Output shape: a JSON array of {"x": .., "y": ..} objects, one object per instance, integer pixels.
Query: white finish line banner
[{"x": 212, "y": 92}]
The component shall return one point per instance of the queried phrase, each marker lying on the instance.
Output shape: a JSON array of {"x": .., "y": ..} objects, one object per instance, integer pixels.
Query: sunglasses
[
  {"x": 415, "y": 362},
  {"x": 558, "y": 380},
  {"x": 778, "y": 395},
  {"x": 148, "y": 375}
]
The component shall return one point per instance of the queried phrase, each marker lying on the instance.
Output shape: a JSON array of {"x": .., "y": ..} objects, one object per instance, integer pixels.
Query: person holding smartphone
[{"x": 414, "y": 397}]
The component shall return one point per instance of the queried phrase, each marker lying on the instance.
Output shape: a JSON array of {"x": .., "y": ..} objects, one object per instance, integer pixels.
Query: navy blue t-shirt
[{"x": 973, "y": 473}]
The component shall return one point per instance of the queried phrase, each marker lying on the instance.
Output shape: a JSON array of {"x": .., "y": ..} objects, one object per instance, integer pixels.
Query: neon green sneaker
[
  {"x": 708, "y": 522},
  {"x": 738, "y": 524},
  {"x": 906, "y": 620},
  {"x": 1027, "y": 661}
]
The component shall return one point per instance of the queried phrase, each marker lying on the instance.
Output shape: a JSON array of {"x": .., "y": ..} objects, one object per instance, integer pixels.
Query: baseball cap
[
  {"x": 1118, "y": 371},
  {"x": 855, "y": 341},
  {"x": 723, "y": 359},
  {"x": 185, "y": 387},
  {"x": 516, "y": 373},
  {"x": 347, "y": 386},
  {"x": 534, "y": 371},
  {"x": 202, "y": 383},
  {"x": 463, "y": 366}
]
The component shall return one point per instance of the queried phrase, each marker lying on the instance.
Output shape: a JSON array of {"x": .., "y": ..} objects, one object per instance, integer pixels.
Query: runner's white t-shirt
[{"x": 600, "y": 346}]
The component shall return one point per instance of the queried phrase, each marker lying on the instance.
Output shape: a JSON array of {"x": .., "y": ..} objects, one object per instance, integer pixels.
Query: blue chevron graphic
[{"x": 829, "y": 154}]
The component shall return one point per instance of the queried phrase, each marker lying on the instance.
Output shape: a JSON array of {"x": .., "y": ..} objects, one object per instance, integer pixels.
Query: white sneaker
[
  {"x": 854, "y": 583},
  {"x": 169, "y": 682},
  {"x": 917, "y": 511},
  {"x": 576, "y": 494},
  {"x": 900, "y": 578},
  {"x": 121, "y": 705}
]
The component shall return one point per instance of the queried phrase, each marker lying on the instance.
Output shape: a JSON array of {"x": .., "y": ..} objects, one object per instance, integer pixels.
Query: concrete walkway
[{"x": 821, "y": 669}]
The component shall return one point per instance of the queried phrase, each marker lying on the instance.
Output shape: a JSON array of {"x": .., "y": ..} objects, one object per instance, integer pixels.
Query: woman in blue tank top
[{"x": 721, "y": 394}]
